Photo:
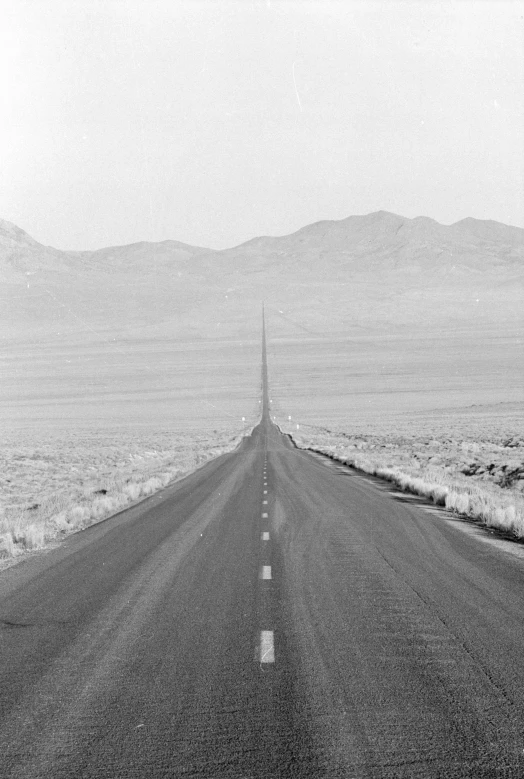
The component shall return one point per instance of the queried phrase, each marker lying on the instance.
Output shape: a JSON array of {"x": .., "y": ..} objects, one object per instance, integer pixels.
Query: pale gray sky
[{"x": 213, "y": 122}]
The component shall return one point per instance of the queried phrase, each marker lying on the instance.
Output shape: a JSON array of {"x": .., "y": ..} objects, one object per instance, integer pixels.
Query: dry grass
[
  {"x": 470, "y": 463},
  {"x": 54, "y": 487}
]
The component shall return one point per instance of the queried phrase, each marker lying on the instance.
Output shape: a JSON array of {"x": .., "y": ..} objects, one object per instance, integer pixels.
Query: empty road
[{"x": 271, "y": 615}]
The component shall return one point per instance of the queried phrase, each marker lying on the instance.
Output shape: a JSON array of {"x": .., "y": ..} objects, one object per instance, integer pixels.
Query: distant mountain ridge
[
  {"x": 386, "y": 221},
  {"x": 20, "y": 250},
  {"x": 383, "y": 222},
  {"x": 377, "y": 270}
]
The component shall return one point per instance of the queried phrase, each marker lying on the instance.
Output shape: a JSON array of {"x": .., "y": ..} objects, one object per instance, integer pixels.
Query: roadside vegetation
[
  {"x": 472, "y": 465},
  {"x": 64, "y": 483}
]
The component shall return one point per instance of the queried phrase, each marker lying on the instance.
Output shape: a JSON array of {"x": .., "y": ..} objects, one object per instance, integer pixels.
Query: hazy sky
[{"x": 213, "y": 122}]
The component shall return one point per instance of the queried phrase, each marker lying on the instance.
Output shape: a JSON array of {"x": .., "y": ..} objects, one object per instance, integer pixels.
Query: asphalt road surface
[{"x": 271, "y": 615}]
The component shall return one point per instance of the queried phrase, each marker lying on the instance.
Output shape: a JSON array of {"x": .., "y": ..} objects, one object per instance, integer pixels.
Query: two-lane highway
[{"x": 271, "y": 615}]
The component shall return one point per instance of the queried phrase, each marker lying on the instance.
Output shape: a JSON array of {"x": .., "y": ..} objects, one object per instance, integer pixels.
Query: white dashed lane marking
[
  {"x": 266, "y": 652},
  {"x": 267, "y": 647}
]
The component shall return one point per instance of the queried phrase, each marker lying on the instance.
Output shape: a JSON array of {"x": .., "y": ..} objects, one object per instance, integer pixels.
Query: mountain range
[{"x": 374, "y": 273}]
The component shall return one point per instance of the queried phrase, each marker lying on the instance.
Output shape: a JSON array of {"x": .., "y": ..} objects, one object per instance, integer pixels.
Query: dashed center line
[
  {"x": 266, "y": 650},
  {"x": 267, "y": 647}
]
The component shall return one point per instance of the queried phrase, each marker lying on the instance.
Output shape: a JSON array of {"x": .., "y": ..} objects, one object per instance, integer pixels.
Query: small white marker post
[
  {"x": 265, "y": 536},
  {"x": 264, "y": 515},
  {"x": 265, "y": 573}
]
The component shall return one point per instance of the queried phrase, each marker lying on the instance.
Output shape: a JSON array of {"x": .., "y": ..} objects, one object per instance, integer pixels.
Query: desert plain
[{"x": 394, "y": 345}]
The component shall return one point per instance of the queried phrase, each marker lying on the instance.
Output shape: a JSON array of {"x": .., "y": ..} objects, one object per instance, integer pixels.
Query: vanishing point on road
[{"x": 274, "y": 614}]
